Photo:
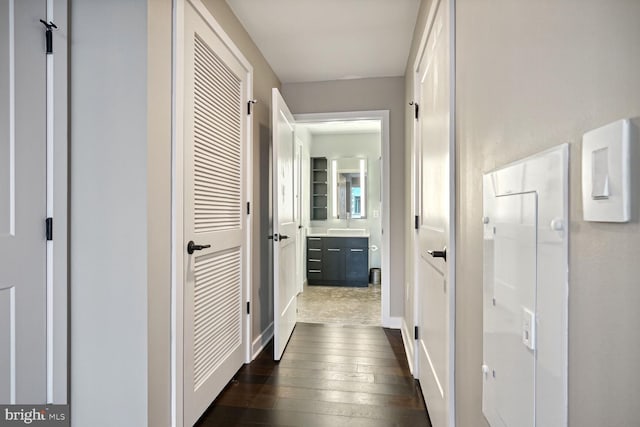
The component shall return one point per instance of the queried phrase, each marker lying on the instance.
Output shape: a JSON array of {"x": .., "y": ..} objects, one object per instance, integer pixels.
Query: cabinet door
[
  {"x": 357, "y": 260},
  {"x": 333, "y": 264}
]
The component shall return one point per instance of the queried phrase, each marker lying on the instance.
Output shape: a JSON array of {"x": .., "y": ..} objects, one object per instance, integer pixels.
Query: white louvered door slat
[{"x": 214, "y": 194}]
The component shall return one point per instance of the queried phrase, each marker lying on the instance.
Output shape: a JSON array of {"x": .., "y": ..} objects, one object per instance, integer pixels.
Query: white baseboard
[
  {"x": 393, "y": 323},
  {"x": 409, "y": 345},
  {"x": 261, "y": 341}
]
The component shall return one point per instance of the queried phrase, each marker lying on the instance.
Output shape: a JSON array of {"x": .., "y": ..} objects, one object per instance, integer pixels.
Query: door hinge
[
  {"x": 250, "y": 105},
  {"x": 416, "y": 109},
  {"x": 416, "y": 223},
  {"x": 248, "y": 208},
  {"x": 48, "y": 34},
  {"x": 248, "y": 307},
  {"x": 415, "y": 332},
  {"x": 49, "y": 228}
]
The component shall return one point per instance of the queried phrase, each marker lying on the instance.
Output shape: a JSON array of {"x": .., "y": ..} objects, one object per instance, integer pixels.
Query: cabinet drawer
[
  {"x": 314, "y": 253},
  {"x": 314, "y": 242},
  {"x": 314, "y": 274},
  {"x": 314, "y": 264}
]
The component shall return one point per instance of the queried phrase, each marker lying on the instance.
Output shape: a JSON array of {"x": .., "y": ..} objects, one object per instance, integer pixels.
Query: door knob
[
  {"x": 283, "y": 236},
  {"x": 191, "y": 247},
  {"x": 439, "y": 254}
]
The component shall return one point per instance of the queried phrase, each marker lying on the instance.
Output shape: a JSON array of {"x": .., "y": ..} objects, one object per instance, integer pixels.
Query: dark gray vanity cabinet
[{"x": 340, "y": 261}]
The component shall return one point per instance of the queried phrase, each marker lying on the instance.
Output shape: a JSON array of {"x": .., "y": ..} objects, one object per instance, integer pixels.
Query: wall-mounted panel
[{"x": 525, "y": 279}]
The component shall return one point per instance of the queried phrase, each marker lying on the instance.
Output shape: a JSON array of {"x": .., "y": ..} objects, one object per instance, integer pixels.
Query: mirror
[{"x": 348, "y": 189}]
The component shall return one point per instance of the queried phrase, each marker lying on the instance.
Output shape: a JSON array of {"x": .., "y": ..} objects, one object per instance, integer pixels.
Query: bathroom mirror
[{"x": 349, "y": 188}]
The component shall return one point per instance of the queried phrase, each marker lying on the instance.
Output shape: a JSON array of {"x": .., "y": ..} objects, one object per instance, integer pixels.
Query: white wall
[
  {"x": 365, "y": 95},
  {"x": 369, "y": 146}
]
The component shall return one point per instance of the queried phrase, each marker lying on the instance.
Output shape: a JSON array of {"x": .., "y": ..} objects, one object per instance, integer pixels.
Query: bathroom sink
[{"x": 348, "y": 232}]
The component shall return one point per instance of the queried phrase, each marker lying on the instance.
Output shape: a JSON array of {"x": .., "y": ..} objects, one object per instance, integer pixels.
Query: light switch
[
  {"x": 600, "y": 174},
  {"x": 606, "y": 172}
]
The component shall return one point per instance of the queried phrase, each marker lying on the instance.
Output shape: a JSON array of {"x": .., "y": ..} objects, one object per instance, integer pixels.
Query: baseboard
[
  {"x": 409, "y": 345},
  {"x": 393, "y": 323},
  {"x": 261, "y": 341}
]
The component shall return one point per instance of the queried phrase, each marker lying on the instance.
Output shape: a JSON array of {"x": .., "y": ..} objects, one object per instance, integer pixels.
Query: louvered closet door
[{"x": 213, "y": 215}]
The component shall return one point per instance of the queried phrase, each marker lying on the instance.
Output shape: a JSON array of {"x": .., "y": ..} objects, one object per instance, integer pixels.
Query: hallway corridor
[{"x": 329, "y": 376}]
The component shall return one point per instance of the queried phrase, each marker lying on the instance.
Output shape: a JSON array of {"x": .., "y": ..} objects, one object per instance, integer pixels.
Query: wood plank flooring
[{"x": 329, "y": 375}]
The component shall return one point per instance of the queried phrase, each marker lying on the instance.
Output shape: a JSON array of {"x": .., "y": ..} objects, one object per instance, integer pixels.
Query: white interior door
[
  {"x": 284, "y": 225},
  {"x": 23, "y": 294},
  {"x": 214, "y": 220},
  {"x": 434, "y": 261}
]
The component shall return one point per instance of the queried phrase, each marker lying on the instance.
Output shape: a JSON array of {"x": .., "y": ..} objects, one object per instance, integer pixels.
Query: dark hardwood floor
[{"x": 329, "y": 376}]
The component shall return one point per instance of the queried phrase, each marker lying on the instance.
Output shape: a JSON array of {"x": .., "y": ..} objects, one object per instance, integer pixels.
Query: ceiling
[{"x": 320, "y": 40}]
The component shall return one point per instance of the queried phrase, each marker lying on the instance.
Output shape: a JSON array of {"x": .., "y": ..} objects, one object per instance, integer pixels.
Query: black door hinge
[
  {"x": 248, "y": 307},
  {"x": 250, "y": 105},
  {"x": 248, "y": 208},
  {"x": 48, "y": 35},
  {"x": 49, "y": 228},
  {"x": 416, "y": 109},
  {"x": 415, "y": 332},
  {"x": 416, "y": 224}
]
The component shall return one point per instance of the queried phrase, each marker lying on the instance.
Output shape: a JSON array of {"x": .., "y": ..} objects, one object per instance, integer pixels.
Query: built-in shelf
[{"x": 319, "y": 179}]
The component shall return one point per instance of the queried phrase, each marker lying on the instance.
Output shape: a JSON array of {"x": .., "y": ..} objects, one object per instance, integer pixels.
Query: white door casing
[
  {"x": 297, "y": 177},
  {"x": 435, "y": 284},
  {"x": 285, "y": 233},
  {"x": 215, "y": 131},
  {"x": 383, "y": 116}
]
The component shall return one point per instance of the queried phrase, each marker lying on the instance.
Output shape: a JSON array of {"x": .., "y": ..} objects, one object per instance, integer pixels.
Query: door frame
[
  {"x": 177, "y": 198},
  {"x": 383, "y": 116},
  {"x": 416, "y": 176},
  {"x": 57, "y": 206}
]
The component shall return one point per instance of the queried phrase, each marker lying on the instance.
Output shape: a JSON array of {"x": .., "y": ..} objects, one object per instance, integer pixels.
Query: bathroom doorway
[{"x": 343, "y": 197}]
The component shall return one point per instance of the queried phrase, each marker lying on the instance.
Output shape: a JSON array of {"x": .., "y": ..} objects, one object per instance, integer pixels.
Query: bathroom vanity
[{"x": 339, "y": 257}]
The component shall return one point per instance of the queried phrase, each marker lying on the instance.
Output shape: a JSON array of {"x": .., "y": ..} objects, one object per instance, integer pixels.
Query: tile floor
[{"x": 340, "y": 305}]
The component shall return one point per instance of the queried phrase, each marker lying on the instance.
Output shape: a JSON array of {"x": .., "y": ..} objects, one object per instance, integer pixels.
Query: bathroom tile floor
[{"x": 340, "y": 305}]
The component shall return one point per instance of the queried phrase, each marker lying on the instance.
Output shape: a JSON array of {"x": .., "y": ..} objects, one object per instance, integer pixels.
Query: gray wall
[
  {"x": 358, "y": 95},
  {"x": 263, "y": 80},
  {"x": 159, "y": 16},
  {"x": 109, "y": 212},
  {"x": 531, "y": 76},
  {"x": 349, "y": 146}
]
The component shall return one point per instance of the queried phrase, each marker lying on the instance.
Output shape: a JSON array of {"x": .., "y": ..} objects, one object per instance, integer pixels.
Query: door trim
[
  {"x": 57, "y": 207},
  {"x": 177, "y": 194},
  {"x": 383, "y": 116},
  {"x": 451, "y": 251}
]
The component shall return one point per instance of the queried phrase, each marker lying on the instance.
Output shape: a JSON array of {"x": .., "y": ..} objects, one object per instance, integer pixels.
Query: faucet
[{"x": 348, "y": 219}]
